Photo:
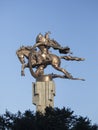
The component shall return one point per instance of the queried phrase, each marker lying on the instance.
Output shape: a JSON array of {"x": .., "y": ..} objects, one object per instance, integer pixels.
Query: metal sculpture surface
[{"x": 39, "y": 57}]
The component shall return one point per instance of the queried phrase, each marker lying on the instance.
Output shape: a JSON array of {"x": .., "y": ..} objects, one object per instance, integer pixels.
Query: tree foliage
[{"x": 52, "y": 119}]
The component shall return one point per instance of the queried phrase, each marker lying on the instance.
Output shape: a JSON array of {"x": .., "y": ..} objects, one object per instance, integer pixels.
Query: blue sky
[{"x": 72, "y": 23}]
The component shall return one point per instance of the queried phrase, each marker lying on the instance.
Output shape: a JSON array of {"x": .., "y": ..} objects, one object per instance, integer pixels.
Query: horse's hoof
[{"x": 22, "y": 73}]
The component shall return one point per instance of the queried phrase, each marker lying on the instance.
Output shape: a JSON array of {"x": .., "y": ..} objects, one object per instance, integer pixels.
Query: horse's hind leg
[{"x": 67, "y": 75}]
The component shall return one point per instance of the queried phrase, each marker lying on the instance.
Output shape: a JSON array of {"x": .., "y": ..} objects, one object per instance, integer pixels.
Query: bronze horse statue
[{"x": 35, "y": 60}]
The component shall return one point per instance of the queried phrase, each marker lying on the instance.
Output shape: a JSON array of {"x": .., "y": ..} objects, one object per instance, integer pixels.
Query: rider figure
[{"x": 42, "y": 44}]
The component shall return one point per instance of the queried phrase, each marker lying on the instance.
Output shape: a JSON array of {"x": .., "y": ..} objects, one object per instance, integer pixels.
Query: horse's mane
[{"x": 26, "y": 47}]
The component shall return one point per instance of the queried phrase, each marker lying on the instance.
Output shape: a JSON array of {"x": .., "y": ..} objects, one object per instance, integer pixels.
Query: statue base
[
  {"x": 43, "y": 93},
  {"x": 44, "y": 78}
]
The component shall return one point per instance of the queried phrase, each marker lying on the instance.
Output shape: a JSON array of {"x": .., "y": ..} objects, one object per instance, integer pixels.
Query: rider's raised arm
[{"x": 55, "y": 45}]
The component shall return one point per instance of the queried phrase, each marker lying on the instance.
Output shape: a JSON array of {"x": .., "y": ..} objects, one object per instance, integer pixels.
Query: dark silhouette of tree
[
  {"x": 25, "y": 121},
  {"x": 2, "y": 123},
  {"x": 59, "y": 119},
  {"x": 83, "y": 123},
  {"x": 52, "y": 119}
]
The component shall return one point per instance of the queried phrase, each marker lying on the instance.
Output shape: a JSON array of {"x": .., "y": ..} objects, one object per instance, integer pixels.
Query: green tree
[
  {"x": 2, "y": 123},
  {"x": 52, "y": 119},
  {"x": 83, "y": 123},
  {"x": 59, "y": 119}
]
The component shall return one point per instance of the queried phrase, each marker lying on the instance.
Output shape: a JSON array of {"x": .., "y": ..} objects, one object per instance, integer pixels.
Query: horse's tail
[{"x": 72, "y": 58}]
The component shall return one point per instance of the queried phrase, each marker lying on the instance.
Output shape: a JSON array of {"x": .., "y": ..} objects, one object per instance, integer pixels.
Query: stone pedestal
[{"x": 43, "y": 94}]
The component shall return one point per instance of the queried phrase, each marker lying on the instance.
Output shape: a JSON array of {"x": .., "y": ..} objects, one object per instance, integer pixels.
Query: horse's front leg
[{"x": 22, "y": 69}]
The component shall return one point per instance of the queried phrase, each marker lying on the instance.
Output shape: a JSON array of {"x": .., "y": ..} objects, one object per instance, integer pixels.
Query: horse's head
[
  {"x": 23, "y": 52},
  {"x": 20, "y": 55}
]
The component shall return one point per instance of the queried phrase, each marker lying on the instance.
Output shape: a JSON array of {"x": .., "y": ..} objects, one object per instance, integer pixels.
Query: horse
[
  {"x": 22, "y": 53},
  {"x": 31, "y": 55}
]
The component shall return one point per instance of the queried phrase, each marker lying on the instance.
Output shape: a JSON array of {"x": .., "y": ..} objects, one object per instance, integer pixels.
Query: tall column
[{"x": 43, "y": 94}]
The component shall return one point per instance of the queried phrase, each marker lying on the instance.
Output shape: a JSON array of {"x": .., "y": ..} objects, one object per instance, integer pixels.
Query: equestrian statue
[{"x": 38, "y": 57}]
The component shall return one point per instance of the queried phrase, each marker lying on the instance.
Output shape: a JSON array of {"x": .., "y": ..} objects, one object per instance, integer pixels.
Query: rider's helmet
[{"x": 40, "y": 38}]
